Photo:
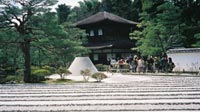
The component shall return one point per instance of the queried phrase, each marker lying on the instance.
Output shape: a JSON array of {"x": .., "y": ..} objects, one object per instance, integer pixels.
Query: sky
[{"x": 69, "y": 2}]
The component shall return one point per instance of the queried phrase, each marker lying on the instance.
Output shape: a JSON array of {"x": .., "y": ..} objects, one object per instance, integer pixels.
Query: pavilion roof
[{"x": 102, "y": 16}]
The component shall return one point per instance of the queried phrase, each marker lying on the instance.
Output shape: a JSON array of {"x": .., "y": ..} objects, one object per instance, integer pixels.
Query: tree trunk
[
  {"x": 15, "y": 61},
  {"x": 27, "y": 57}
]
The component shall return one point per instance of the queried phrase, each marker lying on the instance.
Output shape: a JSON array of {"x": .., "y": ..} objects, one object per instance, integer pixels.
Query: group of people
[{"x": 140, "y": 64}]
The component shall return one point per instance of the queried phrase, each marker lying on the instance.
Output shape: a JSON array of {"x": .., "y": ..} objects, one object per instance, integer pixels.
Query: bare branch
[
  {"x": 9, "y": 19},
  {"x": 22, "y": 2},
  {"x": 12, "y": 13},
  {"x": 24, "y": 17}
]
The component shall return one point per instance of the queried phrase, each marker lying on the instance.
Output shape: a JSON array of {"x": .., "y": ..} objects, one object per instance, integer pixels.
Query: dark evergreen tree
[
  {"x": 136, "y": 9},
  {"x": 190, "y": 17},
  {"x": 86, "y": 9},
  {"x": 63, "y": 11},
  {"x": 119, "y": 7}
]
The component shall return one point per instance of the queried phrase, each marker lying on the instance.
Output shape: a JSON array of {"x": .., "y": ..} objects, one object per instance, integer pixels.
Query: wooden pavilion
[{"x": 108, "y": 36}]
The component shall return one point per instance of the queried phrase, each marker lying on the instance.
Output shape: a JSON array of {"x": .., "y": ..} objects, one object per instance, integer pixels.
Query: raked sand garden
[{"x": 130, "y": 93}]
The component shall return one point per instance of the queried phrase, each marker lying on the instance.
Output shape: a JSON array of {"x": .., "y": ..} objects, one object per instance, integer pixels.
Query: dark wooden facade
[{"x": 108, "y": 36}]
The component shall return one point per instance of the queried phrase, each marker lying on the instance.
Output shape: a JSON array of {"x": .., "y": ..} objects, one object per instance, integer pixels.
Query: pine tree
[
  {"x": 36, "y": 28},
  {"x": 63, "y": 12}
]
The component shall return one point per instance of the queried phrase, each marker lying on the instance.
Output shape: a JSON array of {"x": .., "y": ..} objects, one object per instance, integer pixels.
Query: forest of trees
[{"x": 33, "y": 36}]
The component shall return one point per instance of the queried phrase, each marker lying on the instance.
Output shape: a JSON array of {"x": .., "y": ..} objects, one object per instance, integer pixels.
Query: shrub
[
  {"x": 50, "y": 69},
  {"x": 2, "y": 79},
  {"x": 36, "y": 78},
  {"x": 5, "y": 76},
  {"x": 42, "y": 72},
  {"x": 101, "y": 67},
  {"x": 20, "y": 72},
  {"x": 125, "y": 66},
  {"x": 86, "y": 74},
  {"x": 62, "y": 71},
  {"x": 11, "y": 79},
  {"x": 34, "y": 67},
  {"x": 6, "y": 70},
  {"x": 19, "y": 78},
  {"x": 38, "y": 75},
  {"x": 9, "y": 70},
  {"x": 99, "y": 76}
]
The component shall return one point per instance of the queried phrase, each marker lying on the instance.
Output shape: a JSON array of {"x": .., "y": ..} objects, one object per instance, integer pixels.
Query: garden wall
[{"x": 185, "y": 59}]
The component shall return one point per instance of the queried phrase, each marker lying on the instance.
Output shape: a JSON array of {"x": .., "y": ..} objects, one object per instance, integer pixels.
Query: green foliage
[
  {"x": 136, "y": 35},
  {"x": 86, "y": 9},
  {"x": 60, "y": 81},
  {"x": 119, "y": 7},
  {"x": 21, "y": 20},
  {"x": 38, "y": 38},
  {"x": 166, "y": 24},
  {"x": 136, "y": 9},
  {"x": 61, "y": 48},
  {"x": 2, "y": 78},
  {"x": 37, "y": 78},
  {"x": 42, "y": 72},
  {"x": 147, "y": 4},
  {"x": 86, "y": 74},
  {"x": 6, "y": 77},
  {"x": 9, "y": 53},
  {"x": 190, "y": 17},
  {"x": 99, "y": 76},
  {"x": 14, "y": 79},
  {"x": 197, "y": 36},
  {"x": 150, "y": 43},
  {"x": 62, "y": 71},
  {"x": 7, "y": 70},
  {"x": 125, "y": 8},
  {"x": 160, "y": 28},
  {"x": 38, "y": 74},
  {"x": 101, "y": 67},
  {"x": 50, "y": 69},
  {"x": 63, "y": 11},
  {"x": 10, "y": 78}
]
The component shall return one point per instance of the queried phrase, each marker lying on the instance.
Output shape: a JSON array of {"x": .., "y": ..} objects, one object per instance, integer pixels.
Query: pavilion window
[
  {"x": 96, "y": 57},
  {"x": 91, "y": 33},
  {"x": 100, "y": 32}
]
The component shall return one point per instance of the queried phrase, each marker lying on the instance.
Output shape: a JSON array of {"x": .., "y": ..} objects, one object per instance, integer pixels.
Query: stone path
[{"x": 152, "y": 94}]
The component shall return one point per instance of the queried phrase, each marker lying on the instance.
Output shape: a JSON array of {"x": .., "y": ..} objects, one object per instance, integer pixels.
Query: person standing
[
  {"x": 133, "y": 64},
  {"x": 170, "y": 65},
  {"x": 150, "y": 63},
  {"x": 164, "y": 60},
  {"x": 156, "y": 64},
  {"x": 140, "y": 65}
]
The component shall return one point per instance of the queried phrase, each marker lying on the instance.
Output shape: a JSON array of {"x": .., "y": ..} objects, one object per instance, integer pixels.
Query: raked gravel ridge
[{"x": 118, "y": 93}]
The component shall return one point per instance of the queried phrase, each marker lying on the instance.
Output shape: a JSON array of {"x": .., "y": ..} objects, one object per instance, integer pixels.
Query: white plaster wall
[{"x": 186, "y": 61}]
